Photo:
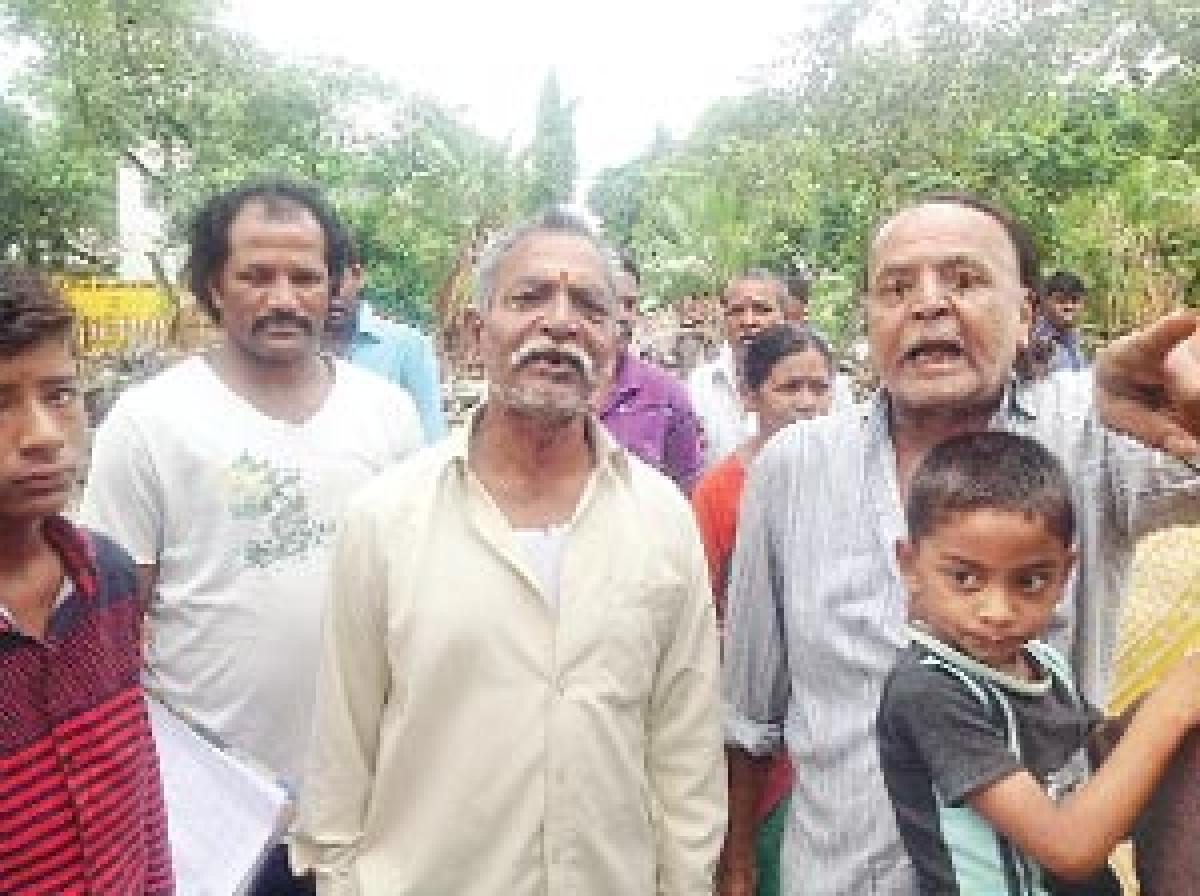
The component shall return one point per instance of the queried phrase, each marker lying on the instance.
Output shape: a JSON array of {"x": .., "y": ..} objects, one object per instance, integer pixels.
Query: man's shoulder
[
  {"x": 169, "y": 394},
  {"x": 1060, "y": 393},
  {"x": 703, "y": 375},
  {"x": 361, "y": 383},
  {"x": 407, "y": 482},
  {"x": 838, "y": 438}
]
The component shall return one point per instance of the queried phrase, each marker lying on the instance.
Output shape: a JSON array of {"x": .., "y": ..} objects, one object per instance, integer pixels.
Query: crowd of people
[{"x": 619, "y": 633}]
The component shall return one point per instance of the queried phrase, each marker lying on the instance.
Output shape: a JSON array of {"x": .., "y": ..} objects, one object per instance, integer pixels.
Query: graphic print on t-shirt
[{"x": 259, "y": 491}]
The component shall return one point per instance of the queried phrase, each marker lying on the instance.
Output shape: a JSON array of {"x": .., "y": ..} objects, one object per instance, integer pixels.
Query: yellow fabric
[
  {"x": 471, "y": 740},
  {"x": 1161, "y": 623}
]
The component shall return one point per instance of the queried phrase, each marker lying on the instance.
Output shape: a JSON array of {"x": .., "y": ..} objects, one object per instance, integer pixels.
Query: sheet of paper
[{"x": 223, "y": 814}]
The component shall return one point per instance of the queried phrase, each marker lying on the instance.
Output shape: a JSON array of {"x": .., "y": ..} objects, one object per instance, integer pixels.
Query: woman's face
[{"x": 799, "y": 386}]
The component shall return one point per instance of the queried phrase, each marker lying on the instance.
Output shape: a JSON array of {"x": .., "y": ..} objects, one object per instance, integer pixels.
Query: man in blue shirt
[
  {"x": 397, "y": 352},
  {"x": 1055, "y": 327}
]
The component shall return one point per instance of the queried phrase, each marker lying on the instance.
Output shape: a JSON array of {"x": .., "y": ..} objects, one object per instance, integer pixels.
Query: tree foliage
[
  {"x": 1080, "y": 116},
  {"x": 552, "y": 163},
  {"x": 195, "y": 107}
]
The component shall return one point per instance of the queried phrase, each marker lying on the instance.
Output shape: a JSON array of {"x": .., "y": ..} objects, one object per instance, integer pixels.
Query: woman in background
[{"x": 787, "y": 376}]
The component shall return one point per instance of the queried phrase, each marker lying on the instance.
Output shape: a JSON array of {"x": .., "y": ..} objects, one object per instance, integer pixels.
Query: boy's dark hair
[
  {"x": 32, "y": 311},
  {"x": 209, "y": 234},
  {"x": 990, "y": 471},
  {"x": 775, "y": 343}
]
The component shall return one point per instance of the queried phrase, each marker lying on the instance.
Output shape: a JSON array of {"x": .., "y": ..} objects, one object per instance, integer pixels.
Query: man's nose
[
  {"x": 560, "y": 315},
  {"x": 930, "y": 297},
  {"x": 283, "y": 295}
]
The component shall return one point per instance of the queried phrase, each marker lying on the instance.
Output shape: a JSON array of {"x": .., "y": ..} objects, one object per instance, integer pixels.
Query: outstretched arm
[{"x": 1074, "y": 838}]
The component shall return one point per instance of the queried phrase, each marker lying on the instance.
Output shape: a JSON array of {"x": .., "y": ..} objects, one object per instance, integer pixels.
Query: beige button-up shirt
[{"x": 470, "y": 739}]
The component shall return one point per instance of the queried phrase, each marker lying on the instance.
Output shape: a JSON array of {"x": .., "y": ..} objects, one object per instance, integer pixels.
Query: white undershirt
[{"x": 543, "y": 549}]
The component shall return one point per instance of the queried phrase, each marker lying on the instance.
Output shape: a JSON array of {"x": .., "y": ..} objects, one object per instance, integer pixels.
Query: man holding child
[{"x": 818, "y": 605}]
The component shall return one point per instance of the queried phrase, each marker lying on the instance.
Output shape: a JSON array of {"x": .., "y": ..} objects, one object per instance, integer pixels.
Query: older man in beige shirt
[{"x": 520, "y": 675}]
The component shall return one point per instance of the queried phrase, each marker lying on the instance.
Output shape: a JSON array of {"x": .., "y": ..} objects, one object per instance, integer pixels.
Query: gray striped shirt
[{"x": 817, "y": 607}]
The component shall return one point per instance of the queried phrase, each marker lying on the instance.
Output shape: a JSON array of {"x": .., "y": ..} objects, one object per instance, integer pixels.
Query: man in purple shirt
[{"x": 647, "y": 410}]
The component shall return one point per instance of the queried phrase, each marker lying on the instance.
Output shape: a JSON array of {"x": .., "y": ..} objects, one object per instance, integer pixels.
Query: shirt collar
[
  {"x": 1043, "y": 329},
  {"x": 972, "y": 666},
  {"x": 367, "y": 325},
  {"x": 627, "y": 380},
  {"x": 726, "y": 366},
  {"x": 78, "y": 557},
  {"x": 1015, "y": 404},
  {"x": 611, "y": 457}
]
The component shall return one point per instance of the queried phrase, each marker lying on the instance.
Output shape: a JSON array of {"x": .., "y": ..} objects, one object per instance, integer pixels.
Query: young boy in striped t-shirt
[
  {"x": 81, "y": 805},
  {"x": 984, "y": 741}
]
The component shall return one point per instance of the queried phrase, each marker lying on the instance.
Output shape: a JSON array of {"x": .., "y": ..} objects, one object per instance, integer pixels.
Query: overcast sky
[{"x": 630, "y": 64}]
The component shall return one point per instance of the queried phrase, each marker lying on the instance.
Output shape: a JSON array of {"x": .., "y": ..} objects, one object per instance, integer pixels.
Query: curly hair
[
  {"x": 209, "y": 233},
  {"x": 32, "y": 310}
]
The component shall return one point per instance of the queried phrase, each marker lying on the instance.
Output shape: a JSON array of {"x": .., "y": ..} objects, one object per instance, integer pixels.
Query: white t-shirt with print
[{"x": 238, "y": 511}]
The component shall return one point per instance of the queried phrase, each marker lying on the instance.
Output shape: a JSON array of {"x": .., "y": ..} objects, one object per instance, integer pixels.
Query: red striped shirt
[{"x": 81, "y": 806}]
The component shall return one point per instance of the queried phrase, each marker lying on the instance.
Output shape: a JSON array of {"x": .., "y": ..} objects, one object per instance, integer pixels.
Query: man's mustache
[
  {"x": 282, "y": 317},
  {"x": 546, "y": 349}
]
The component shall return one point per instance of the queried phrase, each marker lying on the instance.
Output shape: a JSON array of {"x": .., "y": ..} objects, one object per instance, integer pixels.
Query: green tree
[
  {"x": 162, "y": 86},
  {"x": 552, "y": 164}
]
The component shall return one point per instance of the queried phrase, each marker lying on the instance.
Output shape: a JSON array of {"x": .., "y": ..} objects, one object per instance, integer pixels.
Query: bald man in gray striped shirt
[{"x": 817, "y": 608}]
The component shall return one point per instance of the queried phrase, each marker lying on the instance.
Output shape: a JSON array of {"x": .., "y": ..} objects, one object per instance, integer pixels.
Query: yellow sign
[{"x": 98, "y": 299}]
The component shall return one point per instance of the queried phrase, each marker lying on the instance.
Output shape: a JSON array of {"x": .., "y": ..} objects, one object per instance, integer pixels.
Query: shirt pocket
[{"x": 628, "y": 654}]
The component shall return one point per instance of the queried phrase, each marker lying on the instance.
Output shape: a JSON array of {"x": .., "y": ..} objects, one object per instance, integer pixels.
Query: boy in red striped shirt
[{"x": 81, "y": 806}]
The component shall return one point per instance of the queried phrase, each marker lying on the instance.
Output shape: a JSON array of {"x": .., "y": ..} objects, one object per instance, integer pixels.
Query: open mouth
[
  {"x": 557, "y": 364},
  {"x": 934, "y": 352}
]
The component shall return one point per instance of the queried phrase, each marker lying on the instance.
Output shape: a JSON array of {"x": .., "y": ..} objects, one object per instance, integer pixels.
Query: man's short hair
[
  {"x": 760, "y": 275},
  {"x": 1028, "y": 263},
  {"x": 33, "y": 311},
  {"x": 990, "y": 471},
  {"x": 770, "y": 346},
  {"x": 552, "y": 219},
  {"x": 209, "y": 235},
  {"x": 1066, "y": 283}
]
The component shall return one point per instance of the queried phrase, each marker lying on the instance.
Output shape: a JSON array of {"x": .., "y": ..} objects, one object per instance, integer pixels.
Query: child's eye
[
  {"x": 1034, "y": 582},
  {"x": 964, "y": 578}
]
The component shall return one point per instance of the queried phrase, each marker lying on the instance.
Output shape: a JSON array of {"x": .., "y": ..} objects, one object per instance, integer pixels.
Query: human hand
[{"x": 1148, "y": 385}]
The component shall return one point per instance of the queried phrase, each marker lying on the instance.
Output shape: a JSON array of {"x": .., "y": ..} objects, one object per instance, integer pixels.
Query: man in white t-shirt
[
  {"x": 225, "y": 478},
  {"x": 751, "y": 302}
]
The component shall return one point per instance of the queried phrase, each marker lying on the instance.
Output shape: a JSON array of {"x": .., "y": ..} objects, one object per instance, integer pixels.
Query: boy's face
[
  {"x": 42, "y": 422},
  {"x": 986, "y": 581}
]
